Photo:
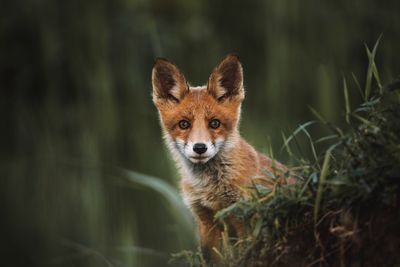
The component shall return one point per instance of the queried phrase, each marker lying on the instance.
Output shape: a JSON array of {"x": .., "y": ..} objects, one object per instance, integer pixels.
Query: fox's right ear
[{"x": 169, "y": 84}]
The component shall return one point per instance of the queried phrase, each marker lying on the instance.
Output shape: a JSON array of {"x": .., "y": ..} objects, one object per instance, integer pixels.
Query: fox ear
[
  {"x": 226, "y": 81},
  {"x": 169, "y": 84}
]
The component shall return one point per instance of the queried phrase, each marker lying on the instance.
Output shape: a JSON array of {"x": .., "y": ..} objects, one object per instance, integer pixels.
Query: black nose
[{"x": 199, "y": 148}]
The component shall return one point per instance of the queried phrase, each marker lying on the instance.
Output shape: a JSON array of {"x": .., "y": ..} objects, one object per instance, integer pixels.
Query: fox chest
[{"x": 212, "y": 192}]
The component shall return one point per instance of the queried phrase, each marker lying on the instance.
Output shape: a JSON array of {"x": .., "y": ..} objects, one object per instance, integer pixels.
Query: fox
[{"x": 200, "y": 126}]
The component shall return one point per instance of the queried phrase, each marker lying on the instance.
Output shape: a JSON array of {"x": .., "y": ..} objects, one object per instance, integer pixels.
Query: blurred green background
[{"x": 77, "y": 115}]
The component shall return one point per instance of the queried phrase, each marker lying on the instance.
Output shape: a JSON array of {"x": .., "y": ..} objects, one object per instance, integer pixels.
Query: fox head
[{"x": 199, "y": 122}]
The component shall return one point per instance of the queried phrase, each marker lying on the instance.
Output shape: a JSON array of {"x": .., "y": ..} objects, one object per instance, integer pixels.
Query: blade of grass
[
  {"x": 270, "y": 150},
  {"x": 370, "y": 71},
  {"x": 314, "y": 152},
  {"x": 375, "y": 72},
  {"x": 346, "y": 100},
  {"x": 226, "y": 246},
  {"x": 297, "y": 131},
  {"x": 321, "y": 183},
  {"x": 300, "y": 151},
  {"x": 358, "y": 85},
  {"x": 325, "y": 138},
  {"x": 286, "y": 145},
  {"x": 316, "y": 114},
  {"x": 336, "y": 130}
]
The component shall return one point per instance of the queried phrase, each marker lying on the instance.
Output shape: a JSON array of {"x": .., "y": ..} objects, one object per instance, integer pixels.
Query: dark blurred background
[{"x": 77, "y": 115}]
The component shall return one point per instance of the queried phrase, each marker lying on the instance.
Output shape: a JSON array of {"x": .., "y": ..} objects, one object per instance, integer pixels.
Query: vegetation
[{"x": 344, "y": 210}]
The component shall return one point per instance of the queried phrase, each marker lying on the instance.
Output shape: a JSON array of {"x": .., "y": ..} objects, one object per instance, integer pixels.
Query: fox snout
[
  {"x": 200, "y": 148},
  {"x": 198, "y": 152}
]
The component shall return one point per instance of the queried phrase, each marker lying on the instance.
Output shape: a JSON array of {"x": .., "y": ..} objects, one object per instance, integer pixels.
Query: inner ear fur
[
  {"x": 226, "y": 80},
  {"x": 168, "y": 82}
]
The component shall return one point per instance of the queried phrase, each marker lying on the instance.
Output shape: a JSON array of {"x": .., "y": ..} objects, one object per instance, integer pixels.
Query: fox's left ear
[{"x": 226, "y": 81}]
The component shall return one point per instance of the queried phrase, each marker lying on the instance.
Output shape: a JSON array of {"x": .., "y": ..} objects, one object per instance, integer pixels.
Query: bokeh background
[{"x": 85, "y": 177}]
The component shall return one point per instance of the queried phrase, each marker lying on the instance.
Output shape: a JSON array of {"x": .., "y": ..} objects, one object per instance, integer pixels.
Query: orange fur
[{"x": 215, "y": 182}]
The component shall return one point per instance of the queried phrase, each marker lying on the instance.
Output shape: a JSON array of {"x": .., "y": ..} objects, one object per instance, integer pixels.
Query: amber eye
[
  {"x": 184, "y": 124},
  {"x": 214, "y": 123}
]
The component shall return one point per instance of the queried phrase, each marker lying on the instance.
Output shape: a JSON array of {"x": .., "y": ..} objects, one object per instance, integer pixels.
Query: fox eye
[
  {"x": 214, "y": 123},
  {"x": 184, "y": 124}
]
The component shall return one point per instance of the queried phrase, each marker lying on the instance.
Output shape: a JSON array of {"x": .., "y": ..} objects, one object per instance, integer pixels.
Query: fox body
[{"x": 200, "y": 127}]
